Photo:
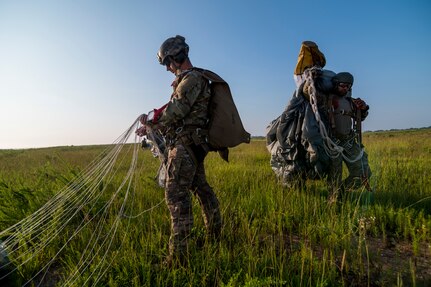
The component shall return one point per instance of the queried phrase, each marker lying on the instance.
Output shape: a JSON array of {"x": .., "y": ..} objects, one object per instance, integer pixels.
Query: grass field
[{"x": 272, "y": 235}]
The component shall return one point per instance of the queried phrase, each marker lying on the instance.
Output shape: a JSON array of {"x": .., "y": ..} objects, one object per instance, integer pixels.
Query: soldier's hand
[
  {"x": 141, "y": 131},
  {"x": 360, "y": 104},
  {"x": 158, "y": 113}
]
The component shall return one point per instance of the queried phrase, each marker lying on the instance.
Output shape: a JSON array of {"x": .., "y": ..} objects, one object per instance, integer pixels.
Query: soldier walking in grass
[
  {"x": 345, "y": 117},
  {"x": 294, "y": 138},
  {"x": 183, "y": 121},
  {"x": 320, "y": 128}
]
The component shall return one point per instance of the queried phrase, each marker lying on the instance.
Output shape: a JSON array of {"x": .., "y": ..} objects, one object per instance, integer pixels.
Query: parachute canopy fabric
[{"x": 295, "y": 144}]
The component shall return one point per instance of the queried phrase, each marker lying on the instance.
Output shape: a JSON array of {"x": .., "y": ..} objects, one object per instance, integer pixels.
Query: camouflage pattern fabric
[
  {"x": 187, "y": 112},
  {"x": 189, "y": 102},
  {"x": 183, "y": 177}
]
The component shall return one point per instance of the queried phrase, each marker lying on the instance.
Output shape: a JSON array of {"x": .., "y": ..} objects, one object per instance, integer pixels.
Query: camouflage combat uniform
[
  {"x": 184, "y": 121},
  {"x": 344, "y": 135}
]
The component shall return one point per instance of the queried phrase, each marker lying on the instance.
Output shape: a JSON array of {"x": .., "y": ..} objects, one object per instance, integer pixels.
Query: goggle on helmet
[{"x": 173, "y": 48}]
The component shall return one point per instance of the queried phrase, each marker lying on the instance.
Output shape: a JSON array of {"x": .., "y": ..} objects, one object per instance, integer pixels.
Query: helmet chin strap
[
  {"x": 177, "y": 66},
  {"x": 178, "y": 69}
]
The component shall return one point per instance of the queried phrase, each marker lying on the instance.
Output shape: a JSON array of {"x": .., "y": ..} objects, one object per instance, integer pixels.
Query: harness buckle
[{"x": 179, "y": 130}]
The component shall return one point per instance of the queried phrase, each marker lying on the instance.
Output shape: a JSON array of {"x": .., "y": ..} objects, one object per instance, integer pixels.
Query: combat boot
[{"x": 176, "y": 259}]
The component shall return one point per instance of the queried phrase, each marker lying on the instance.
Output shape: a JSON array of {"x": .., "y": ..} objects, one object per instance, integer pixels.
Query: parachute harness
[{"x": 331, "y": 148}]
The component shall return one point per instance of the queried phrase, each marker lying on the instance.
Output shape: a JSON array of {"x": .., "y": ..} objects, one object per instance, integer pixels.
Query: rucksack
[{"x": 225, "y": 128}]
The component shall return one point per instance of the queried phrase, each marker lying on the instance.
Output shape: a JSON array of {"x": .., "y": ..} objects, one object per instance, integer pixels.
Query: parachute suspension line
[
  {"x": 153, "y": 137},
  {"x": 331, "y": 148},
  {"x": 58, "y": 208},
  {"x": 112, "y": 232},
  {"x": 98, "y": 228},
  {"x": 144, "y": 211},
  {"x": 63, "y": 195},
  {"x": 37, "y": 224},
  {"x": 82, "y": 197},
  {"x": 130, "y": 180}
]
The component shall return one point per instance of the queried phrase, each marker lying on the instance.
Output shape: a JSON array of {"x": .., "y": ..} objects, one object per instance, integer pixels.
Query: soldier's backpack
[{"x": 225, "y": 128}]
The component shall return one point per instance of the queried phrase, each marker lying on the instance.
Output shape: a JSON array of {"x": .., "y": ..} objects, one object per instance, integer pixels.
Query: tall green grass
[{"x": 272, "y": 235}]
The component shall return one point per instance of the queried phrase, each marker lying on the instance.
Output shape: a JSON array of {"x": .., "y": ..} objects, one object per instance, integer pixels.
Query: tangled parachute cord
[{"x": 87, "y": 194}]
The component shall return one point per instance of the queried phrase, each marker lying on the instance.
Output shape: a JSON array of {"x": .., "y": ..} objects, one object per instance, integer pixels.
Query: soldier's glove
[
  {"x": 141, "y": 131},
  {"x": 157, "y": 113},
  {"x": 360, "y": 104}
]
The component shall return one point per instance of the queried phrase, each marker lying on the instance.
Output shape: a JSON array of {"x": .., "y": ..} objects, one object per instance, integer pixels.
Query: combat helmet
[
  {"x": 174, "y": 48},
  {"x": 343, "y": 77}
]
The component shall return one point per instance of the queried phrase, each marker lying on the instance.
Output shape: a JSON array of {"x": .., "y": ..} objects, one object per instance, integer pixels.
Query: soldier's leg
[
  {"x": 208, "y": 202},
  {"x": 359, "y": 171},
  {"x": 180, "y": 172}
]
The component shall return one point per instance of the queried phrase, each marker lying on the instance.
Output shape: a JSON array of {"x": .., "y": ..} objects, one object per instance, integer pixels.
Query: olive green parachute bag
[{"x": 225, "y": 128}]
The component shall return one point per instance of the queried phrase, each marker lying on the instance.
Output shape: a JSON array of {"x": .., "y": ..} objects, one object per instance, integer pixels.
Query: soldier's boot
[
  {"x": 178, "y": 250},
  {"x": 208, "y": 202},
  {"x": 180, "y": 207},
  {"x": 334, "y": 190},
  {"x": 352, "y": 183},
  {"x": 176, "y": 260},
  {"x": 210, "y": 211},
  {"x": 213, "y": 223}
]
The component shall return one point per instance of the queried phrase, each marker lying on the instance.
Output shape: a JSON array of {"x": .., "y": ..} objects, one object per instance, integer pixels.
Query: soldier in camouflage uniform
[
  {"x": 345, "y": 116},
  {"x": 183, "y": 121}
]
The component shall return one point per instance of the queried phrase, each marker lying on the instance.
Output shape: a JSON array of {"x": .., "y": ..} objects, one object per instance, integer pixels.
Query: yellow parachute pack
[{"x": 309, "y": 56}]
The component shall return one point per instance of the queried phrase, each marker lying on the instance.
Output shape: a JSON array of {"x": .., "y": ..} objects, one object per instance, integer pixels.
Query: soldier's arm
[
  {"x": 180, "y": 105},
  {"x": 362, "y": 106}
]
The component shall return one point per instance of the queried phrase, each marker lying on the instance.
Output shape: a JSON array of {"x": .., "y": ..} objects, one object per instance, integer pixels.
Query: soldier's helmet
[
  {"x": 174, "y": 48},
  {"x": 343, "y": 77}
]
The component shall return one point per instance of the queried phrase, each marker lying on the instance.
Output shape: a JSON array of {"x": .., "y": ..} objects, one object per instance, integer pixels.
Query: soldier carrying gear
[
  {"x": 182, "y": 121},
  {"x": 317, "y": 126},
  {"x": 346, "y": 115},
  {"x": 294, "y": 138}
]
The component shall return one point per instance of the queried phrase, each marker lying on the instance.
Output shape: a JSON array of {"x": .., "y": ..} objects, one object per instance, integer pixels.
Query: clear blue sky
[{"x": 80, "y": 72}]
